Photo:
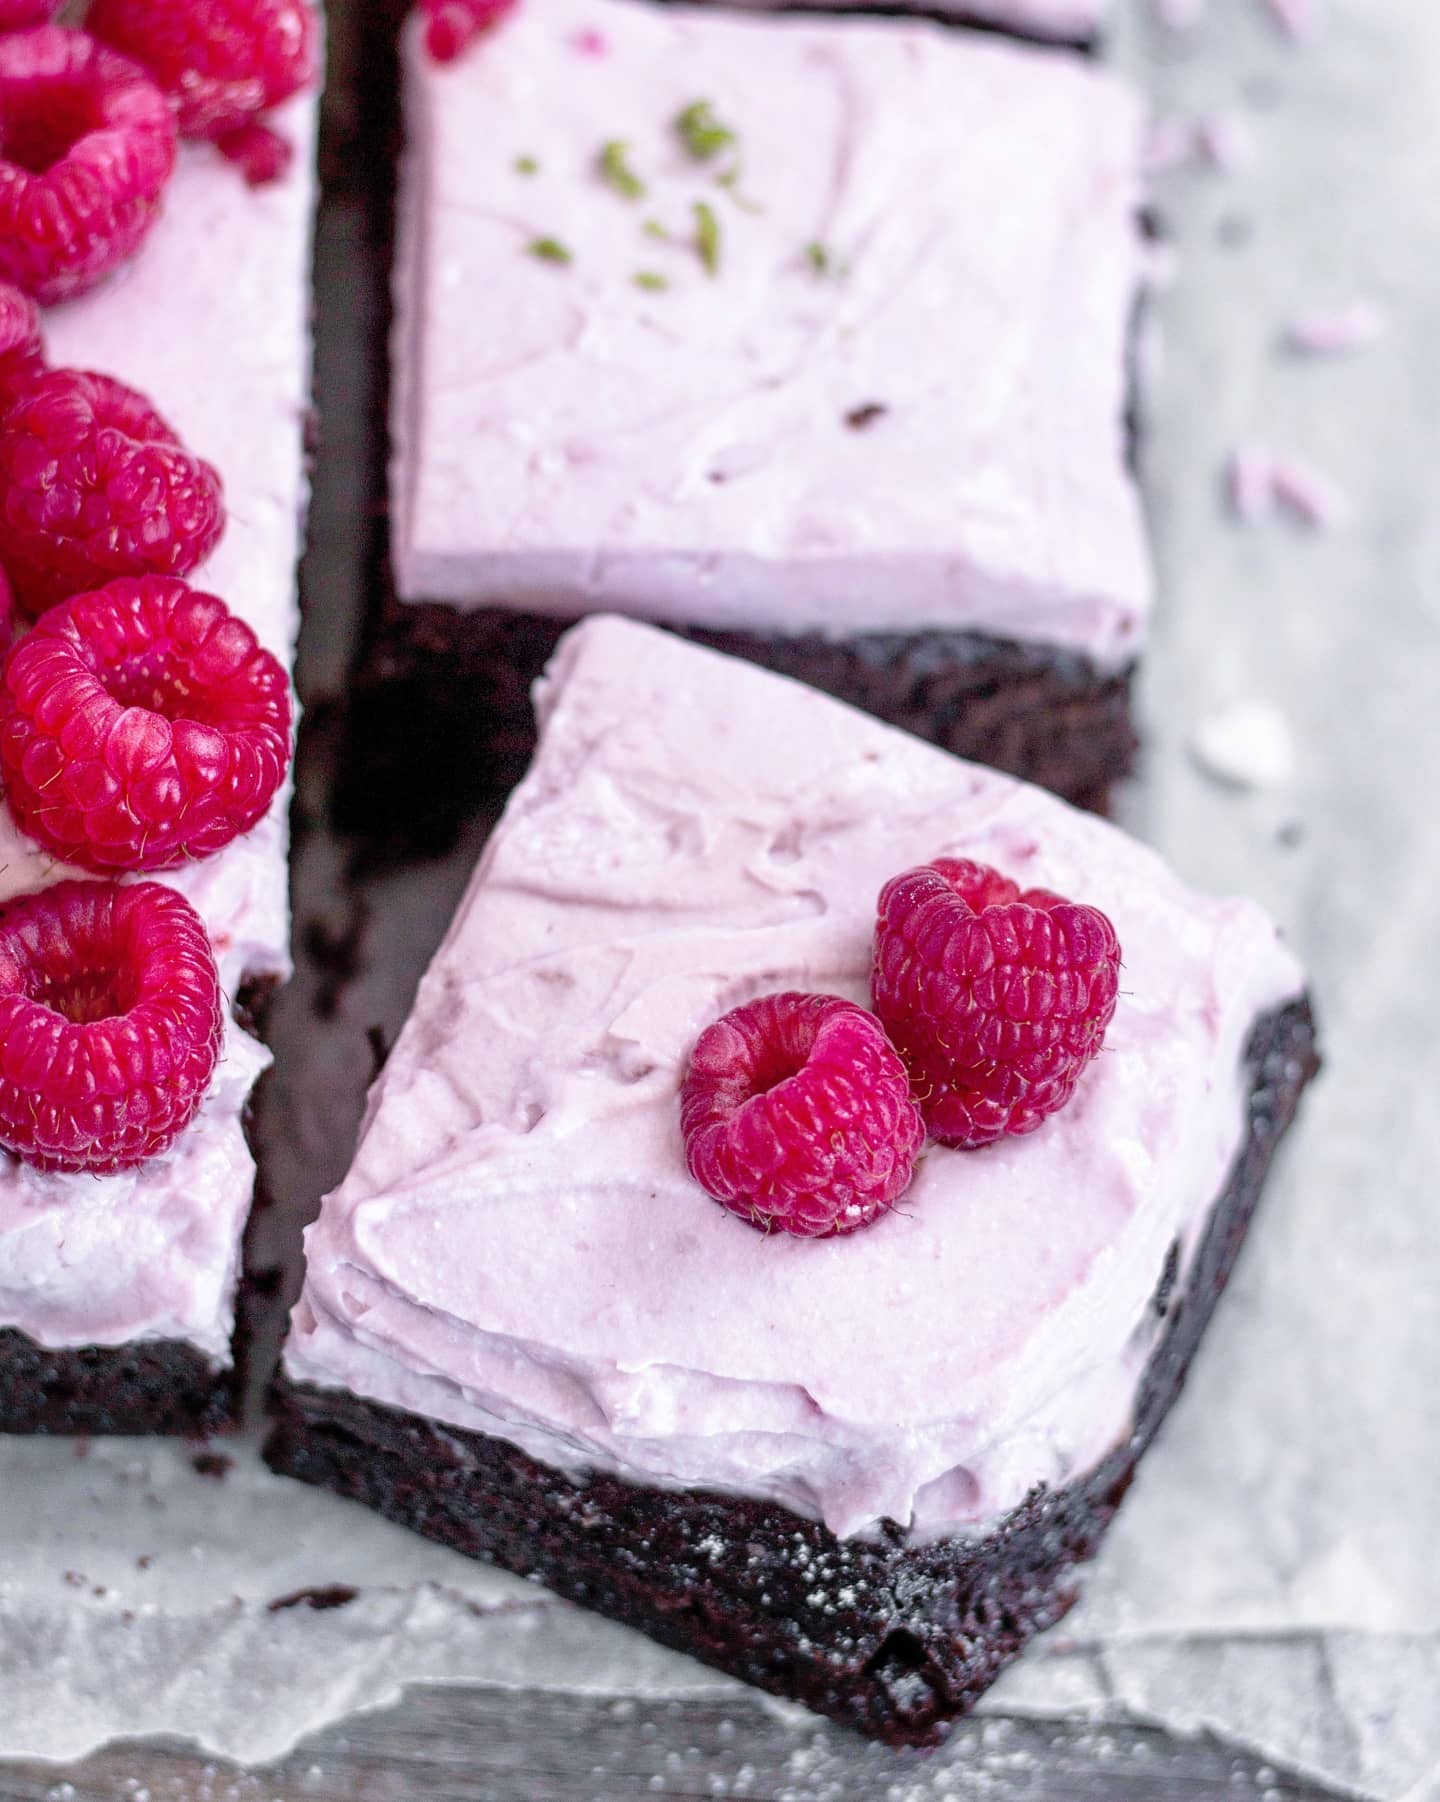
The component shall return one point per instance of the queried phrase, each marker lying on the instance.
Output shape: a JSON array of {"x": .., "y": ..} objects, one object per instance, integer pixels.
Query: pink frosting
[
  {"x": 567, "y": 442},
  {"x": 518, "y": 1247},
  {"x": 212, "y": 322}
]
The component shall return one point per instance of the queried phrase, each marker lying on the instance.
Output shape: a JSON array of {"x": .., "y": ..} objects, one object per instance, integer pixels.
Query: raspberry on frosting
[
  {"x": 95, "y": 484},
  {"x": 110, "y": 1023},
  {"x": 797, "y": 1115},
  {"x": 87, "y": 146},
  {"x": 22, "y": 351},
  {"x": 451, "y": 26},
  {"x": 141, "y": 726},
  {"x": 223, "y": 62},
  {"x": 996, "y": 999}
]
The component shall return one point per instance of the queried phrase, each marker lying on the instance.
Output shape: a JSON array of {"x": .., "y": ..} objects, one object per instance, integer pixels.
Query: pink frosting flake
[
  {"x": 1324, "y": 334},
  {"x": 1308, "y": 494},
  {"x": 1179, "y": 15},
  {"x": 1260, "y": 480},
  {"x": 1251, "y": 483},
  {"x": 1219, "y": 141},
  {"x": 1297, "y": 18},
  {"x": 591, "y": 42}
]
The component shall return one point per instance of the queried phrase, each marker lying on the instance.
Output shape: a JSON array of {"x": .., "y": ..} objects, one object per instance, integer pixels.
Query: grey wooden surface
[{"x": 492, "y": 1745}]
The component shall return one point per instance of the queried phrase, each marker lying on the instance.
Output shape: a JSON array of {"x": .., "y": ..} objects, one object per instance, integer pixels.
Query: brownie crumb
[
  {"x": 860, "y": 419},
  {"x": 336, "y": 1595},
  {"x": 212, "y": 1464}
]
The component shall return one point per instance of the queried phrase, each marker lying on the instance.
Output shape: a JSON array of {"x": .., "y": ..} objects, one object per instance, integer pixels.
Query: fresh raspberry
[
  {"x": 451, "y": 26},
  {"x": 22, "y": 353},
  {"x": 796, "y": 1114},
  {"x": 141, "y": 726},
  {"x": 223, "y": 61},
  {"x": 87, "y": 145},
  {"x": 20, "y": 15},
  {"x": 95, "y": 484},
  {"x": 110, "y": 1023},
  {"x": 996, "y": 1000}
]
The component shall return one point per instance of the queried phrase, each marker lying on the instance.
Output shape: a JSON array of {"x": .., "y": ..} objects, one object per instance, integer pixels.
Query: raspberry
[
  {"x": 222, "y": 61},
  {"x": 20, "y": 15},
  {"x": 451, "y": 26},
  {"x": 796, "y": 1114},
  {"x": 996, "y": 1000},
  {"x": 140, "y": 726},
  {"x": 95, "y": 484},
  {"x": 87, "y": 145},
  {"x": 110, "y": 1023},
  {"x": 22, "y": 354}
]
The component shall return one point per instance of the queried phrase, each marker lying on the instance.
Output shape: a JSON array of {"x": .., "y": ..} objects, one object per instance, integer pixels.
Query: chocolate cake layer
[
  {"x": 441, "y": 718},
  {"x": 897, "y": 1641},
  {"x": 156, "y": 1386}
]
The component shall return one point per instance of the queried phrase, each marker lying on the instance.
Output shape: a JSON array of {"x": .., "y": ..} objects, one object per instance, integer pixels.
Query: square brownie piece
[
  {"x": 860, "y": 1470},
  {"x": 119, "y": 1294},
  {"x": 804, "y": 336}
]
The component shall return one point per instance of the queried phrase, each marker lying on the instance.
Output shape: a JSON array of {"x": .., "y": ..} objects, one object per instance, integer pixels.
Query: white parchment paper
[{"x": 1273, "y": 1576}]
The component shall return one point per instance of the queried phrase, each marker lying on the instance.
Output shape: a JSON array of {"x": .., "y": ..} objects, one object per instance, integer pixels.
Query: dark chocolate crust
[
  {"x": 898, "y": 1641},
  {"x": 440, "y": 713},
  {"x": 159, "y": 1386}
]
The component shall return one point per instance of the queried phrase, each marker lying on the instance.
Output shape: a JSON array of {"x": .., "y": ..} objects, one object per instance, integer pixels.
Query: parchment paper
[{"x": 1273, "y": 1576}]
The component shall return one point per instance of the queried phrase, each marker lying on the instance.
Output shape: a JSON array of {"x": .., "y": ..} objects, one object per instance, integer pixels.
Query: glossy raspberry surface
[
  {"x": 222, "y": 61},
  {"x": 95, "y": 484},
  {"x": 142, "y": 726},
  {"x": 110, "y": 1023},
  {"x": 87, "y": 146},
  {"x": 996, "y": 999},
  {"x": 797, "y": 1116},
  {"x": 451, "y": 26}
]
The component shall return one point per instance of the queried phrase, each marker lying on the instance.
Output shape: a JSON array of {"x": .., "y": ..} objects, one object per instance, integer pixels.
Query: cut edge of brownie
[
  {"x": 440, "y": 719},
  {"x": 896, "y": 1640}
]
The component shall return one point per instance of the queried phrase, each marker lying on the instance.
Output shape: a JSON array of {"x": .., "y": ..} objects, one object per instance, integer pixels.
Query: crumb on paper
[
  {"x": 1246, "y": 744},
  {"x": 1337, "y": 330}
]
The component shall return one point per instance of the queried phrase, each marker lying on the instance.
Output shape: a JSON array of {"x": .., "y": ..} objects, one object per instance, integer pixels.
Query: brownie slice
[{"x": 896, "y": 1640}]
